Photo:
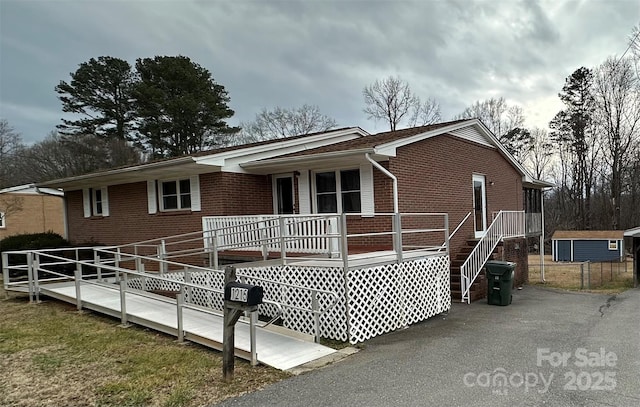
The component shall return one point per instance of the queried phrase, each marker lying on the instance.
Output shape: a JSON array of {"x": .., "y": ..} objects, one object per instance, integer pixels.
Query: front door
[
  {"x": 283, "y": 200},
  {"x": 479, "y": 205}
]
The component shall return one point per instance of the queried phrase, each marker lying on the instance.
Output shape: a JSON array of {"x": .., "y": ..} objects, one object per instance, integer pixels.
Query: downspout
[{"x": 390, "y": 175}]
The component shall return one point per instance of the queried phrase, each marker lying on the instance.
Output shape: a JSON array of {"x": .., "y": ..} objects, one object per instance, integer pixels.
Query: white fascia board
[
  {"x": 106, "y": 176},
  {"x": 391, "y": 147},
  {"x": 283, "y": 147},
  {"x": 302, "y": 159},
  {"x": 25, "y": 188},
  {"x": 527, "y": 178},
  {"x": 635, "y": 232},
  {"x": 238, "y": 161}
]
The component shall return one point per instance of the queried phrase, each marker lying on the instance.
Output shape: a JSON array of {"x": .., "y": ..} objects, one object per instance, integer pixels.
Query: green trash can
[{"x": 499, "y": 282}]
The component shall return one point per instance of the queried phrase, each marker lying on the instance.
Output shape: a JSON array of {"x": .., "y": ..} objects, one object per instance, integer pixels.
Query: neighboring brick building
[
  {"x": 28, "y": 209},
  {"x": 456, "y": 167}
]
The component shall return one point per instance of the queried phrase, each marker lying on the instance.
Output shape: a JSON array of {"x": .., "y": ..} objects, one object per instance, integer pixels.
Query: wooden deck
[{"x": 273, "y": 348}]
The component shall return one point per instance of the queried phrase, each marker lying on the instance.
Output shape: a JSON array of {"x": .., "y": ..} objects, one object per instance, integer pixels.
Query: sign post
[{"x": 238, "y": 299}]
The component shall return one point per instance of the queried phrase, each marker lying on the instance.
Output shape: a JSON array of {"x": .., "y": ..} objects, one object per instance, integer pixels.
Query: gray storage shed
[{"x": 588, "y": 245}]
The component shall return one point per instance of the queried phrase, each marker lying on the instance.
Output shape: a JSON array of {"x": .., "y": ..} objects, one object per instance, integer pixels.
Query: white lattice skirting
[{"x": 378, "y": 299}]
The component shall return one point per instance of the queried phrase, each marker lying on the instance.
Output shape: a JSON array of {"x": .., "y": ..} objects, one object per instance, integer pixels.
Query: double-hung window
[
  {"x": 338, "y": 191},
  {"x": 613, "y": 245},
  {"x": 95, "y": 202},
  {"x": 175, "y": 195}
]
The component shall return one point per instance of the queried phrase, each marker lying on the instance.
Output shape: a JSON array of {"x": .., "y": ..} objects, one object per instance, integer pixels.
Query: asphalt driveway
[{"x": 548, "y": 348}]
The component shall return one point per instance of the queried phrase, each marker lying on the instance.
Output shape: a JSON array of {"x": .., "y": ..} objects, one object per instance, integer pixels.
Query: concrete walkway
[{"x": 539, "y": 344}]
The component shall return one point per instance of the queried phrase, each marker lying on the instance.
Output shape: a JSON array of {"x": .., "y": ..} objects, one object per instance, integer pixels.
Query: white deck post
[
  {"x": 253, "y": 320},
  {"x": 334, "y": 242},
  {"x": 180, "y": 322},
  {"x": 36, "y": 269},
  {"x": 5, "y": 273},
  {"x": 78, "y": 278},
  {"x": 123, "y": 301}
]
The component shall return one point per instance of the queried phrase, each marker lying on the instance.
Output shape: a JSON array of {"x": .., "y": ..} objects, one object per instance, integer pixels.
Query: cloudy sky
[{"x": 287, "y": 53}]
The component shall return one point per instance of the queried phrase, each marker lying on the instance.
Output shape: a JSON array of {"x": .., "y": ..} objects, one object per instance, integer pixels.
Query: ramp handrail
[
  {"x": 106, "y": 268},
  {"x": 506, "y": 224}
]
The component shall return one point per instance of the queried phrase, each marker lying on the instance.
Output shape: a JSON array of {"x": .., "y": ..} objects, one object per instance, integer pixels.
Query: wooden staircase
[{"x": 479, "y": 286}]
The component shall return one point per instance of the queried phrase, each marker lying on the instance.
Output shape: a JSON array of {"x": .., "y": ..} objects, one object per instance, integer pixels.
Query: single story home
[
  {"x": 458, "y": 168},
  {"x": 30, "y": 209},
  {"x": 588, "y": 245}
]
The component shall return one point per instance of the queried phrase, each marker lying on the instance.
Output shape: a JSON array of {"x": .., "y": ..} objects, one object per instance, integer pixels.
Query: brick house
[
  {"x": 28, "y": 209},
  {"x": 458, "y": 168}
]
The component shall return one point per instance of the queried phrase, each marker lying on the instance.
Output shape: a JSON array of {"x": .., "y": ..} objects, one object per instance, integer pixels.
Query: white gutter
[
  {"x": 390, "y": 175},
  {"x": 258, "y": 164}
]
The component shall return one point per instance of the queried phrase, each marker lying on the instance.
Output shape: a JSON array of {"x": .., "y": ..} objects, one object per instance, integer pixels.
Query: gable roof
[
  {"x": 384, "y": 145},
  {"x": 274, "y": 155},
  {"x": 588, "y": 234}
]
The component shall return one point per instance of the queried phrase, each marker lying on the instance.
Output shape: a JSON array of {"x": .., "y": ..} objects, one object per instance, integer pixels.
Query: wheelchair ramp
[{"x": 273, "y": 348}]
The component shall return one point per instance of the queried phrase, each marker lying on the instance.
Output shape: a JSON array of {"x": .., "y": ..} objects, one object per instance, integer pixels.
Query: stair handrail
[
  {"x": 444, "y": 244},
  {"x": 494, "y": 234},
  {"x": 460, "y": 225}
]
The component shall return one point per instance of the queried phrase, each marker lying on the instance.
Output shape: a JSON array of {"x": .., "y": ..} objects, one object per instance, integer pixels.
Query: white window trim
[
  {"x": 338, "y": 192},
  {"x": 615, "y": 245},
  {"x": 89, "y": 202},
  {"x": 153, "y": 197},
  {"x": 179, "y": 203},
  {"x": 3, "y": 220}
]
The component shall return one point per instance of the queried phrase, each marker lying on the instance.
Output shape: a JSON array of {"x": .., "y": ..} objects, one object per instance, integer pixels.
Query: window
[
  {"x": 175, "y": 195},
  {"x": 2, "y": 221},
  {"x": 97, "y": 202},
  {"x": 338, "y": 191},
  {"x": 613, "y": 245}
]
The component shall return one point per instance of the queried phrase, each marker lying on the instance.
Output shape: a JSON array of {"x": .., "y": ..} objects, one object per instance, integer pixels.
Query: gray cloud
[{"x": 286, "y": 53}]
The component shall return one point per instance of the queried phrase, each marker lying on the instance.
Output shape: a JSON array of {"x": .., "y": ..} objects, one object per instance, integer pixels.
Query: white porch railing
[
  {"x": 506, "y": 224},
  {"x": 263, "y": 233}
]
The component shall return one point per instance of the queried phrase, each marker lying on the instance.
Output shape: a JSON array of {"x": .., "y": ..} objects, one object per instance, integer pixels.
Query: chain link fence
[{"x": 582, "y": 276}]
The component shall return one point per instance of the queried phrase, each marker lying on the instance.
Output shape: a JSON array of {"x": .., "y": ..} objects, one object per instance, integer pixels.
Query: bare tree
[
  {"x": 496, "y": 114},
  {"x": 617, "y": 94},
  {"x": 10, "y": 204},
  {"x": 425, "y": 113},
  {"x": 58, "y": 156},
  {"x": 280, "y": 122},
  {"x": 390, "y": 99},
  {"x": 10, "y": 145},
  {"x": 540, "y": 156}
]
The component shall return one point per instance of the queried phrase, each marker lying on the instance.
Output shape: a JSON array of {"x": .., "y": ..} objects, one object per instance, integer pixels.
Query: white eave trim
[
  {"x": 635, "y": 232},
  {"x": 390, "y": 148},
  {"x": 254, "y": 165},
  {"x": 118, "y": 171}
]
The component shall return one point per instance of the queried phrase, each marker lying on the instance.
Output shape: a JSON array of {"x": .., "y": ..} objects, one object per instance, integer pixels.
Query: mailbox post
[{"x": 238, "y": 298}]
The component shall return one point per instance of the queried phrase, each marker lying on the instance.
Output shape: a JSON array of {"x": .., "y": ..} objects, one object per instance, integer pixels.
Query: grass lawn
[
  {"x": 52, "y": 355},
  {"x": 607, "y": 278}
]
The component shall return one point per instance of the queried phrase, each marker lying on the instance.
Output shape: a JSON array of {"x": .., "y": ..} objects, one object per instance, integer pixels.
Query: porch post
[{"x": 542, "y": 236}]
